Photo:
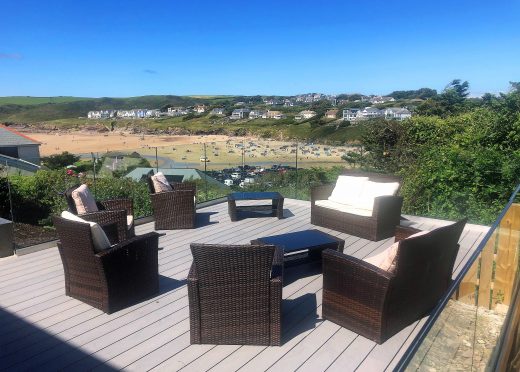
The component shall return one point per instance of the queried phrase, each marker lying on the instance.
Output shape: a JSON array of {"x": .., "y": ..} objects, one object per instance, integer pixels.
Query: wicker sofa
[
  {"x": 378, "y": 303},
  {"x": 374, "y": 222},
  {"x": 174, "y": 209},
  {"x": 110, "y": 280},
  {"x": 235, "y": 294}
]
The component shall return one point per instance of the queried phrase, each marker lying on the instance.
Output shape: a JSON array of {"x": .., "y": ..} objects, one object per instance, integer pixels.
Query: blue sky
[{"x": 128, "y": 48}]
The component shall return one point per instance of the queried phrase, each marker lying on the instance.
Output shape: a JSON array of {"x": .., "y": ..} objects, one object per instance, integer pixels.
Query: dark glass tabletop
[
  {"x": 300, "y": 240},
  {"x": 254, "y": 195}
]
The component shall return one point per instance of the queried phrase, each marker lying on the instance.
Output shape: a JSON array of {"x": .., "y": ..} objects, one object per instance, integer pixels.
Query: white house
[
  {"x": 397, "y": 113},
  {"x": 255, "y": 114},
  {"x": 350, "y": 114},
  {"x": 102, "y": 114},
  {"x": 307, "y": 114},
  {"x": 239, "y": 113},
  {"x": 369, "y": 113},
  {"x": 177, "y": 111},
  {"x": 217, "y": 111},
  {"x": 381, "y": 99}
]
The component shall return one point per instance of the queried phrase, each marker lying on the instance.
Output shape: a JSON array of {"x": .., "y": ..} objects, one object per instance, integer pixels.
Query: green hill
[
  {"x": 27, "y": 100},
  {"x": 38, "y": 109}
]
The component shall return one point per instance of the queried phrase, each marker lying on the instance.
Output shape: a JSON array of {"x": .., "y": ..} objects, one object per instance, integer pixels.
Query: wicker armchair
[
  {"x": 174, "y": 209},
  {"x": 235, "y": 294},
  {"x": 385, "y": 217},
  {"x": 110, "y": 280},
  {"x": 378, "y": 304},
  {"x": 119, "y": 211}
]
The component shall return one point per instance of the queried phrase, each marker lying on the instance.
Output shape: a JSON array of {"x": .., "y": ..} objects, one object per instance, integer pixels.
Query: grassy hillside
[
  {"x": 27, "y": 100},
  {"x": 35, "y": 109},
  {"x": 71, "y": 113}
]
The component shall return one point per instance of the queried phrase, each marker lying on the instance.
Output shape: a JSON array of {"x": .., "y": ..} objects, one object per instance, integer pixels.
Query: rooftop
[
  {"x": 11, "y": 137},
  {"x": 45, "y": 330}
]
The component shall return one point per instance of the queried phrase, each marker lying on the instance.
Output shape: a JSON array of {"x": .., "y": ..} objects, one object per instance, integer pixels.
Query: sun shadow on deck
[
  {"x": 25, "y": 339},
  {"x": 299, "y": 316},
  {"x": 203, "y": 219},
  {"x": 167, "y": 284},
  {"x": 300, "y": 268}
]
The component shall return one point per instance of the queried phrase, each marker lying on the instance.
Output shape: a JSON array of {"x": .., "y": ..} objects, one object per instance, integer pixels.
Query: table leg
[
  {"x": 232, "y": 210},
  {"x": 279, "y": 208}
]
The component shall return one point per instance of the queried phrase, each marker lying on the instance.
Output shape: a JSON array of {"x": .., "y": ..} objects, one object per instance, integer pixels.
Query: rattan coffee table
[
  {"x": 276, "y": 206},
  {"x": 307, "y": 242}
]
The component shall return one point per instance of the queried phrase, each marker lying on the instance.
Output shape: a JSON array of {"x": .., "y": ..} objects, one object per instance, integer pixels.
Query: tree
[{"x": 59, "y": 161}]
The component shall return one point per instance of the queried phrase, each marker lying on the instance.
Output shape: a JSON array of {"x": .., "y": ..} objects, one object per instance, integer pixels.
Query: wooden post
[
  {"x": 508, "y": 240},
  {"x": 486, "y": 272}
]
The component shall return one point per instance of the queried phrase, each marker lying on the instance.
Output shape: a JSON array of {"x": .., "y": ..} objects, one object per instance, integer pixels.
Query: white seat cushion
[
  {"x": 347, "y": 189},
  {"x": 344, "y": 208},
  {"x": 160, "y": 183},
  {"x": 385, "y": 260},
  {"x": 83, "y": 200},
  {"x": 129, "y": 221},
  {"x": 372, "y": 190},
  {"x": 99, "y": 238}
]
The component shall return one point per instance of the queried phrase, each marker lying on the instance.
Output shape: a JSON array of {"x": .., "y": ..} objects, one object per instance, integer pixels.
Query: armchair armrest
[
  {"x": 276, "y": 287},
  {"x": 354, "y": 293},
  {"x": 118, "y": 204},
  {"x": 107, "y": 217},
  {"x": 194, "y": 305},
  {"x": 321, "y": 192},
  {"x": 137, "y": 242},
  {"x": 387, "y": 206},
  {"x": 403, "y": 232}
]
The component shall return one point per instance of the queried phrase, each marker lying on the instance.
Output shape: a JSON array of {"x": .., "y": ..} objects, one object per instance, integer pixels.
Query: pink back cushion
[{"x": 84, "y": 201}]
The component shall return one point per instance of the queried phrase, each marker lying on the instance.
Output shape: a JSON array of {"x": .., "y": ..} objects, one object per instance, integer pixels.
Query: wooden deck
[{"x": 42, "y": 329}]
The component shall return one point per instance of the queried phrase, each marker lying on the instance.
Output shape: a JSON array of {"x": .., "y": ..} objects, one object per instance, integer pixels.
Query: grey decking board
[
  {"x": 39, "y": 298},
  {"x": 329, "y": 351}
]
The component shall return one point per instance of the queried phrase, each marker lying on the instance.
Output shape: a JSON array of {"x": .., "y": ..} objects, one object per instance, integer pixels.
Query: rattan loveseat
[
  {"x": 376, "y": 303},
  {"x": 174, "y": 209},
  {"x": 112, "y": 279},
  {"x": 235, "y": 294},
  {"x": 379, "y": 224}
]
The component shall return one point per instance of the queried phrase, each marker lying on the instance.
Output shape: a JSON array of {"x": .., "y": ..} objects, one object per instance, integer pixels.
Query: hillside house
[
  {"x": 239, "y": 114},
  {"x": 217, "y": 111},
  {"x": 350, "y": 114},
  {"x": 177, "y": 111},
  {"x": 397, "y": 113},
  {"x": 331, "y": 114},
  {"x": 16, "y": 148},
  {"x": 369, "y": 113},
  {"x": 307, "y": 114},
  {"x": 381, "y": 99},
  {"x": 102, "y": 114},
  {"x": 199, "y": 109},
  {"x": 271, "y": 114},
  {"x": 255, "y": 114}
]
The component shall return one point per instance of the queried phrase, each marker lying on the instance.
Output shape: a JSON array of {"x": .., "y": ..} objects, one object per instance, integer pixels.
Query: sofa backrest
[
  {"x": 423, "y": 273},
  {"x": 374, "y": 177}
]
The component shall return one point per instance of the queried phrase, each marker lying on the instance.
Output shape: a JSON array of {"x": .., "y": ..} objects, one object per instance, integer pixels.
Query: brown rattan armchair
[
  {"x": 174, "y": 209},
  {"x": 376, "y": 303},
  {"x": 381, "y": 224},
  {"x": 118, "y": 211},
  {"x": 235, "y": 294},
  {"x": 110, "y": 280}
]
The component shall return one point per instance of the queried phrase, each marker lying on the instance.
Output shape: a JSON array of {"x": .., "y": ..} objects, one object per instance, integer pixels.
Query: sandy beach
[
  {"x": 188, "y": 151},
  {"x": 82, "y": 142}
]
